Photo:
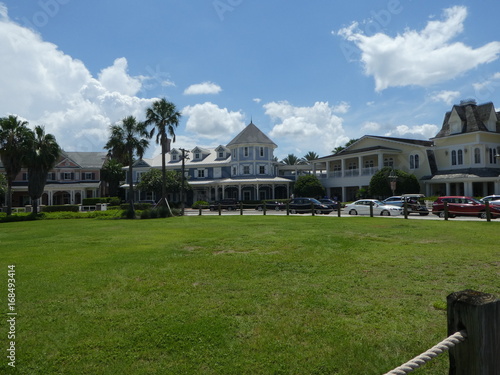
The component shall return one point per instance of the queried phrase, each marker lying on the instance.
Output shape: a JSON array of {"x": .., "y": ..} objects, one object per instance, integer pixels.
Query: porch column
[
  {"x": 360, "y": 164},
  {"x": 468, "y": 188},
  {"x": 448, "y": 188},
  {"x": 380, "y": 161},
  {"x": 239, "y": 192},
  {"x": 342, "y": 163}
]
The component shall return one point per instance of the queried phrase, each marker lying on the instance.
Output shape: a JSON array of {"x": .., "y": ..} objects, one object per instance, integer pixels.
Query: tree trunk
[
  {"x": 8, "y": 198},
  {"x": 131, "y": 182},
  {"x": 163, "y": 172}
]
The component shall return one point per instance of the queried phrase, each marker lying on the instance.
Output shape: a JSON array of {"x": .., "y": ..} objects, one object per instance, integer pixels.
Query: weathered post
[
  {"x": 405, "y": 208},
  {"x": 338, "y": 208},
  {"x": 287, "y": 208},
  {"x": 488, "y": 211},
  {"x": 445, "y": 210},
  {"x": 241, "y": 208},
  {"x": 479, "y": 315},
  {"x": 312, "y": 208},
  {"x": 220, "y": 209},
  {"x": 264, "y": 208},
  {"x": 371, "y": 208}
]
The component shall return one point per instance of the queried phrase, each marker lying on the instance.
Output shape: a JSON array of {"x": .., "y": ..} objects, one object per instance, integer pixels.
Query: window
[
  {"x": 492, "y": 155},
  {"x": 352, "y": 165},
  {"x": 174, "y": 157},
  {"x": 245, "y": 151},
  {"x": 221, "y": 154},
  {"x": 234, "y": 171},
  {"x": 477, "y": 155},
  {"x": 262, "y": 151},
  {"x": 414, "y": 161},
  {"x": 200, "y": 173},
  {"x": 460, "y": 157},
  {"x": 67, "y": 176},
  {"x": 388, "y": 162},
  {"x": 25, "y": 176},
  {"x": 197, "y": 155},
  {"x": 246, "y": 169},
  {"x": 51, "y": 176},
  {"x": 453, "y": 157},
  {"x": 262, "y": 169},
  {"x": 88, "y": 176},
  {"x": 368, "y": 163}
]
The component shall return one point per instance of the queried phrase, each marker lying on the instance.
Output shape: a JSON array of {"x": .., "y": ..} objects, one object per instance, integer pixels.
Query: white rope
[{"x": 423, "y": 358}]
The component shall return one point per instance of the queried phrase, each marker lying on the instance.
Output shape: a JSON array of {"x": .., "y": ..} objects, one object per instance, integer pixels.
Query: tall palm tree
[
  {"x": 291, "y": 159},
  {"x": 41, "y": 156},
  {"x": 165, "y": 118},
  {"x": 13, "y": 136},
  {"x": 311, "y": 155},
  {"x": 130, "y": 138}
]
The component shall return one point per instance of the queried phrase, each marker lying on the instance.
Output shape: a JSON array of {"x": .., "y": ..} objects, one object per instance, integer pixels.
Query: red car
[{"x": 463, "y": 206}]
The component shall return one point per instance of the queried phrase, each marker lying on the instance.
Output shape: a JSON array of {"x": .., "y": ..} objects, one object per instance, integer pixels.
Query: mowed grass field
[{"x": 238, "y": 294}]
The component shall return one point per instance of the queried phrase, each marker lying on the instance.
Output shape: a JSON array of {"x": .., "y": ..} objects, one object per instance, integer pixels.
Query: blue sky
[{"x": 311, "y": 75}]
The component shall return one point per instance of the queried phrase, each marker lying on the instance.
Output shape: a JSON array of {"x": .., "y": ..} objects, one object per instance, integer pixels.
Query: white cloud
[
  {"x": 47, "y": 87},
  {"x": 257, "y": 100},
  {"x": 425, "y": 131},
  {"x": 313, "y": 128},
  {"x": 371, "y": 127},
  {"x": 207, "y": 120},
  {"x": 448, "y": 97},
  {"x": 116, "y": 78},
  {"x": 342, "y": 107},
  {"x": 485, "y": 89},
  {"x": 203, "y": 88},
  {"x": 422, "y": 57}
]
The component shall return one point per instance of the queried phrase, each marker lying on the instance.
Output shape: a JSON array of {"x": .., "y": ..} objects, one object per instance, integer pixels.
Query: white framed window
[
  {"x": 477, "y": 155},
  {"x": 67, "y": 176},
  {"x": 368, "y": 163},
  {"x": 261, "y": 151},
  {"x": 221, "y": 154},
  {"x": 262, "y": 169},
  {"x": 453, "y": 157},
  {"x": 460, "y": 157},
  {"x": 246, "y": 169},
  {"x": 234, "y": 171},
  {"x": 200, "y": 173},
  {"x": 492, "y": 155},
  {"x": 414, "y": 161},
  {"x": 388, "y": 162},
  {"x": 88, "y": 176},
  {"x": 197, "y": 155},
  {"x": 245, "y": 151},
  {"x": 174, "y": 157}
]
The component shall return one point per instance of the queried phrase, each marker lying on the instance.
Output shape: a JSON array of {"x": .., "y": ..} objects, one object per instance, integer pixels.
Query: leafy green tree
[
  {"x": 112, "y": 172},
  {"x": 132, "y": 139},
  {"x": 165, "y": 118},
  {"x": 13, "y": 136},
  {"x": 380, "y": 185},
  {"x": 308, "y": 186},
  {"x": 41, "y": 156},
  {"x": 151, "y": 181}
]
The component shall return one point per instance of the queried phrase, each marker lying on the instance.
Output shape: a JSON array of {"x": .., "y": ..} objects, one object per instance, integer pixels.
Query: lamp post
[
  {"x": 183, "y": 179},
  {"x": 392, "y": 180}
]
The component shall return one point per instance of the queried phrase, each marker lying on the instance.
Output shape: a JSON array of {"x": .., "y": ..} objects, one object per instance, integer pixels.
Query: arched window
[
  {"x": 453, "y": 157},
  {"x": 460, "y": 158},
  {"x": 388, "y": 162},
  {"x": 417, "y": 161},
  {"x": 412, "y": 162},
  {"x": 477, "y": 155}
]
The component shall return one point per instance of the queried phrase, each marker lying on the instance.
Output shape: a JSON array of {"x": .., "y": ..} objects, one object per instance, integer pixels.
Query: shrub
[
  {"x": 64, "y": 208},
  {"x": 146, "y": 214},
  {"x": 114, "y": 201},
  {"x": 128, "y": 213},
  {"x": 163, "y": 212},
  {"x": 21, "y": 217},
  {"x": 198, "y": 204},
  {"x": 137, "y": 206}
]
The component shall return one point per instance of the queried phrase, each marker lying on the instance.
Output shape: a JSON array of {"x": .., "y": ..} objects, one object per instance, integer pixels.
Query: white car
[
  {"x": 490, "y": 198},
  {"x": 362, "y": 207}
]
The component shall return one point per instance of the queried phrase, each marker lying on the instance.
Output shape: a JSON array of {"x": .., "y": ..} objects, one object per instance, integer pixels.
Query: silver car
[{"x": 362, "y": 207}]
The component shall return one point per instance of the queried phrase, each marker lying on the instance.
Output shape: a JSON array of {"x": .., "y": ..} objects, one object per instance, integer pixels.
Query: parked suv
[
  {"x": 303, "y": 205},
  {"x": 463, "y": 206},
  {"x": 225, "y": 204}
]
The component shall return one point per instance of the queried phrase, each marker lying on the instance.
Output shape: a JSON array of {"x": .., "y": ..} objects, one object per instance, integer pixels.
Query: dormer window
[
  {"x": 174, "y": 157},
  {"x": 197, "y": 155},
  {"x": 221, "y": 154}
]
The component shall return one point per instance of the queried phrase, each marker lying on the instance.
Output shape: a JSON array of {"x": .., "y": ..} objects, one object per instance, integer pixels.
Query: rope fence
[{"x": 430, "y": 354}]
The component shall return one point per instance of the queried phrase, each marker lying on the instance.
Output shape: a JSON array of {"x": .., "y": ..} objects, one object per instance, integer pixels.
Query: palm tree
[
  {"x": 131, "y": 139},
  {"x": 165, "y": 118},
  {"x": 310, "y": 156},
  {"x": 41, "y": 156},
  {"x": 291, "y": 159},
  {"x": 13, "y": 136}
]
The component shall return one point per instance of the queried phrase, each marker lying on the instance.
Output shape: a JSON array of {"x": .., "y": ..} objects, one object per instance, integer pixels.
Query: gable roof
[
  {"x": 473, "y": 118},
  {"x": 251, "y": 135},
  {"x": 84, "y": 159}
]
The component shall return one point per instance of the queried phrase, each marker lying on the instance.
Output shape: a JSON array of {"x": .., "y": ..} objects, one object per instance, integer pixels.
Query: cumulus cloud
[
  {"x": 47, "y": 87},
  {"x": 203, "y": 88},
  {"x": 371, "y": 127},
  {"x": 422, "y": 57},
  {"x": 208, "y": 120},
  {"x": 487, "y": 87},
  {"x": 425, "y": 131},
  {"x": 448, "y": 97},
  {"x": 313, "y": 128}
]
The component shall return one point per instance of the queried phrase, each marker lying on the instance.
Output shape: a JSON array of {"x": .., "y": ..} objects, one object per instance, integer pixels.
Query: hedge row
[{"x": 113, "y": 201}]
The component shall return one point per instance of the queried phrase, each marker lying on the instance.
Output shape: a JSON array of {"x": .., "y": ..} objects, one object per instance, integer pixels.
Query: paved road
[{"x": 252, "y": 212}]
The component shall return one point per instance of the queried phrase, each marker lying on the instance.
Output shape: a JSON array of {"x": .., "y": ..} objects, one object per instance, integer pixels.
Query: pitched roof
[
  {"x": 86, "y": 159},
  {"x": 251, "y": 135},
  {"x": 473, "y": 118}
]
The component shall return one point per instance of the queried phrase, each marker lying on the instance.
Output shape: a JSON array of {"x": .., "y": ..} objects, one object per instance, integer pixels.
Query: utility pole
[{"x": 184, "y": 156}]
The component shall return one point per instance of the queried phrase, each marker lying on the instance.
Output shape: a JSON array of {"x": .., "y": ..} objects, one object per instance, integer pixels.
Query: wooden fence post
[
  {"x": 479, "y": 315},
  {"x": 371, "y": 208}
]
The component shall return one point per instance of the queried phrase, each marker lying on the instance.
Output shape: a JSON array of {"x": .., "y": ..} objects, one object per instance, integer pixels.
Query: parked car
[
  {"x": 463, "y": 206},
  {"x": 303, "y": 205},
  {"x": 274, "y": 205},
  {"x": 225, "y": 204},
  {"x": 490, "y": 198},
  {"x": 415, "y": 204},
  {"x": 362, "y": 207},
  {"x": 394, "y": 200},
  {"x": 330, "y": 203}
]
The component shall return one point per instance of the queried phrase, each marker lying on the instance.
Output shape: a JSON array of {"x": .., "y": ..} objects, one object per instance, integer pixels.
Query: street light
[{"x": 392, "y": 180}]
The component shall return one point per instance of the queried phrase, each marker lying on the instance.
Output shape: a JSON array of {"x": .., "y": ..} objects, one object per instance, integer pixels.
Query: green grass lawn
[{"x": 238, "y": 294}]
